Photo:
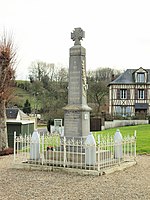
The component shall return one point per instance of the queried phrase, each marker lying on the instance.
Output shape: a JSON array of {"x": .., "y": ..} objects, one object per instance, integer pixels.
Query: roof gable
[{"x": 140, "y": 70}]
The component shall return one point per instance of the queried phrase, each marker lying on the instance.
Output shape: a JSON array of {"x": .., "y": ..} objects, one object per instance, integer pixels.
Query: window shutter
[
  {"x": 118, "y": 93},
  {"x": 145, "y": 94},
  {"x": 136, "y": 93}
]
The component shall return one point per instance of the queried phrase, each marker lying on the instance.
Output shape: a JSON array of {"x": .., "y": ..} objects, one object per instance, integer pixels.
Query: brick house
[{"x": 129, "y": 94}]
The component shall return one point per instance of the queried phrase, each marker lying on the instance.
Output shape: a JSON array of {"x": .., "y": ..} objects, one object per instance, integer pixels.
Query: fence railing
[{"x": 53, "y": 150}]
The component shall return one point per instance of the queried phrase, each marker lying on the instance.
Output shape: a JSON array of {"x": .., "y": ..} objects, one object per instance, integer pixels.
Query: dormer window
[{"x": 141, "y": 77}]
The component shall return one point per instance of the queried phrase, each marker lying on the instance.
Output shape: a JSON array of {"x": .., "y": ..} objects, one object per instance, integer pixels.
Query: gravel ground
[{"x": 132, "y": 183}]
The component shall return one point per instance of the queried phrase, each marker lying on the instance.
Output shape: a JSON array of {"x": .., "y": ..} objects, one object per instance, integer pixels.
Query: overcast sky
[{"x": 117, "y": 32}]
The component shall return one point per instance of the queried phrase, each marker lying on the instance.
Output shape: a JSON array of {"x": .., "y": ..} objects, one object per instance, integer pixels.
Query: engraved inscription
[{"x": 72, "y": 122}]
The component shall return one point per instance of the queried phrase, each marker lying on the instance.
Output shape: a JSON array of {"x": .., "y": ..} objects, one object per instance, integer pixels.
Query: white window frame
[
  {"x": 140, "y": 77},
  {"x": 123, "y": 93},
  {"x": 140, "y": 94}
]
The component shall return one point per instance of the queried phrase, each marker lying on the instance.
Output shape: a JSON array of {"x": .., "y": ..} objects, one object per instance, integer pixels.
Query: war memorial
[
  {"x": 79, "y": 150},
  {"x": 77, "y": 112}
]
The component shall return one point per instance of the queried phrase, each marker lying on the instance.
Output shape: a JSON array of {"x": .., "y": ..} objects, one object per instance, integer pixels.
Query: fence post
[
  {"x": 98, "y": 152},
  {"x": 118, "y": 145},
  {"x": 14, "y": 146},
  {"x": 90, "y": 150},
  {"x": 42, "y": 148},
  {"x": 135, "y": 144},
  {"x": 64, "y": 151},
  {"x": 35, "y": 146}
]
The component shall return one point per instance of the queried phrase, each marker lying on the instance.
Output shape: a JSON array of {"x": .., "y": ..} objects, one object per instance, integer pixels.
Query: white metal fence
[{"x": 55, "y": 151}]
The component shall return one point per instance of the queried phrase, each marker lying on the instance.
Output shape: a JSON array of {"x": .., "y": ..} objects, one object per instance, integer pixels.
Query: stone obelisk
[{"x": 77, "y": 112}]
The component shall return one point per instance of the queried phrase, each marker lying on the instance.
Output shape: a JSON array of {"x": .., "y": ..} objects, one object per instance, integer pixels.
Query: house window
[
  {"x": 123, "y": 111},
  {"x": 123, "y": 94},
  {"x": 118, "y": 110},
  {"x": 141, "y": 94},
  {"x": 128, "y": 110},
  {"x": 140, "y": 77}
]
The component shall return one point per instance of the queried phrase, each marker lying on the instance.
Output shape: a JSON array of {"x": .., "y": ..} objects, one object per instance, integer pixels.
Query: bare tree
[
  {"x": 98, "y": 91},
  {"x": 40, "y": 70},
  {"x": 7, "y": 71}
]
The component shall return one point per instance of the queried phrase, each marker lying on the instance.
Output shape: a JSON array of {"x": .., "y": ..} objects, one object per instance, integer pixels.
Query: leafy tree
[
  {"x": 7, "y": 61},
  {"x": 27, "y": 107}
]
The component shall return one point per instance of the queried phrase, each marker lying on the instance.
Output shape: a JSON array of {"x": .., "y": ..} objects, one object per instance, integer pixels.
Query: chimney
[{"x": 112, "y": 77}]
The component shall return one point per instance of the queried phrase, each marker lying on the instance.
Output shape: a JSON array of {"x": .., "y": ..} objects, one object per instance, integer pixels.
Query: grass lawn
[{"x": 142, "y": 133}]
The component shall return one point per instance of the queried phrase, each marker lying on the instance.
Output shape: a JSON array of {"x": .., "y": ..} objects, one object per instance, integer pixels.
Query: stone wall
[{"x": 119, "y": 123}]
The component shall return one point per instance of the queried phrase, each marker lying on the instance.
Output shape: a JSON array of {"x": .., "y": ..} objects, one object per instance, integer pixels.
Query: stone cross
[{"x": 77, "y": 35}]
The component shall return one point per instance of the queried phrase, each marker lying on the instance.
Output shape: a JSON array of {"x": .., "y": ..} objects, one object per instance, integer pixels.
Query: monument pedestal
[{"x": 77, "y": 121}]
